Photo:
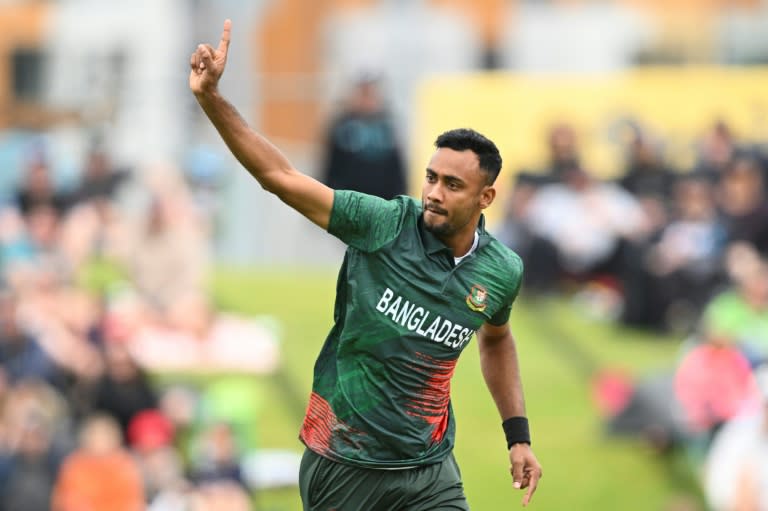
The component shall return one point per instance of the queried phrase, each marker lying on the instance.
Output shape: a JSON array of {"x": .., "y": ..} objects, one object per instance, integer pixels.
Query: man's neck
[{"x": 460, "y": 243}]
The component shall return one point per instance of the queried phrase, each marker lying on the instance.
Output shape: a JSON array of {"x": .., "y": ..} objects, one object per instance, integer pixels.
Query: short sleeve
[
  {"x": 501, "y": 317},
  {"x": 365, "y": 222}
]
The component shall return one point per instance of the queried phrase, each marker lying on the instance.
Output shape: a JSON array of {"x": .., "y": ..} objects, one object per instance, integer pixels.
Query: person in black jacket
[{"x": 362, "y": 151}]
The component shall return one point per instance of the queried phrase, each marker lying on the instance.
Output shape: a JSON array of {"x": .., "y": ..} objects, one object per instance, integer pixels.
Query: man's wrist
[
  {"x": 207, "y": 95},
  {"x": 516, "y": 431}
]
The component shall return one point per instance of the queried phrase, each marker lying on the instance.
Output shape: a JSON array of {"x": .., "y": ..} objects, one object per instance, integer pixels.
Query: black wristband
[{"x": 516, "y": 431}]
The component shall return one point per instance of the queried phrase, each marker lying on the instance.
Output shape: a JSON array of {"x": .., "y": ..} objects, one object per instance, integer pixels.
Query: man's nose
[{"x": 435, "y": 193}]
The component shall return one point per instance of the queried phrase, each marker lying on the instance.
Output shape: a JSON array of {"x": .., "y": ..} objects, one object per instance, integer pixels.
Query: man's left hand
[{"x": 525, "y": 470}]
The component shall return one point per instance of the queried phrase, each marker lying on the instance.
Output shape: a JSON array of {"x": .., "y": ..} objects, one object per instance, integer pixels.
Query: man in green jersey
[{"x": 418, "y": 280}]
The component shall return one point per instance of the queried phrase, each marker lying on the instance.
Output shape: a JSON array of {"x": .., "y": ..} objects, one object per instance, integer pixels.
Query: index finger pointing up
[{"x": 224, "y": 42}]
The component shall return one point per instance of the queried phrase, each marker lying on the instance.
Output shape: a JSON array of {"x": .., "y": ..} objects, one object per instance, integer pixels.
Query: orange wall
[
  {"x": 289, "y": 61},
  {"x": 289, "y": 58},
  {"x": 488, "y": 15}
]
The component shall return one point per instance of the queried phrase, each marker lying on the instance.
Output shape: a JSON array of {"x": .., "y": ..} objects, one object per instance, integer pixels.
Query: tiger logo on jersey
[{"x": 476, "y": 298}]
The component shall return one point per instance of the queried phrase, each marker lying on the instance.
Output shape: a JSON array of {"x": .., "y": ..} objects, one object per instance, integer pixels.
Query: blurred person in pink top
[{"x": 714, "y": 383}]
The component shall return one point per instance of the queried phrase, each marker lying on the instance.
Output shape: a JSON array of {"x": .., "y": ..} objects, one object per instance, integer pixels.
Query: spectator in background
[
  {"x": 21, "y": 355},
  {"x": 60, "y": 319},
  {"x": 151, "y": 438},
  {"x": 743, "y": 202},
  {"x": 685, "y": 264},
  {"x": 124, "y": 389},
  {"x": 33, "y": 402},
  {"x": 522, "y": 229},
  {"x": 713, "y": 383},
  {"x": 640, "y": 307},
  {"x": 83, "y": 234},
  {"x": 93, "y": 215},
  {"x": 586, "y": 221},
  {"x": 16, "y": 250},
  {"x": 761, "y": 155},
  {"x": 742, "y": 310},
  {"x": 651, "y": 182},
  {"x": 716, "y": 150},
  {"x": 539, "y": 254},
  {"x": 181, "y": 406},
  {"x": 215, "y": 456},
  {"x": 30, "y": 453},
  {"x": 736, "y": 468},
  {"x": 100, "y": 180},
  {"x": 362, "y": 150},
  {"x": 43, "y": 230},
  {"x": 37, "y": 189},
  {"x": 166, "y": 257},
  {"x": 646, "y": 174},
  {"x": 70, "y": 315},
  {"x": 563, "y": 149},
  {"x": 514, "y": 231},
  {"x": 34, "y": 434},
  {"x": 31, "y": 472},
  {"x": 100, "y": 474}
]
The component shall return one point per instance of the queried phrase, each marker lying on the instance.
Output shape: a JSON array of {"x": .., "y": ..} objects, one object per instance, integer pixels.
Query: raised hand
[{"x": 207, "y": 64}]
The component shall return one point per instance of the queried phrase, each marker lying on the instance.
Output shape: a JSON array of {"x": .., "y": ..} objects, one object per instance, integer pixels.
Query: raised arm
[
  {"x": 498, "y": 362},
  {"x": 263, "y": 160}
]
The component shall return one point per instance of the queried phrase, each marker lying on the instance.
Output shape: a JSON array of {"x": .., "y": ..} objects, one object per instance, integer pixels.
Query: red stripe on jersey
[
  {"x": 319, "y": 422},
  {"x": 431, "y": 403}
]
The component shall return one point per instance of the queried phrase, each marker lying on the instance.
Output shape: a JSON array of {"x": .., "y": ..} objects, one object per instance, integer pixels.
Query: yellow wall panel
[{"x": 676, "y": 104}]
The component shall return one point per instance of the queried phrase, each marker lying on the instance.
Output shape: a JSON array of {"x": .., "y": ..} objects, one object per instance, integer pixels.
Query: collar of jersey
[{"x": 432, "y": 245}]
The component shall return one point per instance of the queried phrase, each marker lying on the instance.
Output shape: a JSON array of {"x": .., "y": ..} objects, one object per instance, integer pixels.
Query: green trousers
[{"x": 326, "y": 485}]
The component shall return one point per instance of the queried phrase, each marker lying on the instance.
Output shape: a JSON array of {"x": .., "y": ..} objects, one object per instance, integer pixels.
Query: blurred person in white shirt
[
  {"x": 585, "y": 219},
  {"x": 735, "y": 475}
]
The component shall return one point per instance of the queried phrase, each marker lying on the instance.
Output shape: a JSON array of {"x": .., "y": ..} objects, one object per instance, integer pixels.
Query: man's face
[{"x": 454, "y": 192}]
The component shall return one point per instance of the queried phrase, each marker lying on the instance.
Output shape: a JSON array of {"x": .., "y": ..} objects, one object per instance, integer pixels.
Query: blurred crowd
[
  {"x": 655, "y": 241},
  {"x": 104, "y": 285},
  {"x": 680, "y": 251}
]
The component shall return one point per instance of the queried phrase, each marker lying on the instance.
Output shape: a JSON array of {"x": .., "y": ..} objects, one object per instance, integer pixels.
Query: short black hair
[{"x": 461, "y": 139}]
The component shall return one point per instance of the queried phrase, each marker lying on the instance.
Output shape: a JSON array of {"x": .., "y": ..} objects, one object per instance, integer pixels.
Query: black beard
[{"x": 441, "y": 230}]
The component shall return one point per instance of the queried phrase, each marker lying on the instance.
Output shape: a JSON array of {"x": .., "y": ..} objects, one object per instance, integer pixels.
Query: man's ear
[{"x": 486, "y": 196}]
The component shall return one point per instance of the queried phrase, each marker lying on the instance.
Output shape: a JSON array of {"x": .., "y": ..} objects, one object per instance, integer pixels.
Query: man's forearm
[
  {"x": 498, "y": 362},
  {"x": 262, "y": 159}
]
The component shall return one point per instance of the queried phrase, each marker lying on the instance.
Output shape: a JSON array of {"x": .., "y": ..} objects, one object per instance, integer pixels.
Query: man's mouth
[{"x": 436, "y": 210}]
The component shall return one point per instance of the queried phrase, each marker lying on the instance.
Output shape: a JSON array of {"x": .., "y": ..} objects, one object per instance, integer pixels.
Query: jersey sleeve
[
  {"x": 516, "y": 278},
  {"x": 365, "y": 222}
]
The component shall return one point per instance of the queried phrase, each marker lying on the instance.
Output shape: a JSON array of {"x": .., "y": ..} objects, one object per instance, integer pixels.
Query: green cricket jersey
[{"x": 404, "y": 312}]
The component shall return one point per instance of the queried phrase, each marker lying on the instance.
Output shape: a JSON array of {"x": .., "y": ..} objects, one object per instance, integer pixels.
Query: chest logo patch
[{"x": 476, "y": 298}]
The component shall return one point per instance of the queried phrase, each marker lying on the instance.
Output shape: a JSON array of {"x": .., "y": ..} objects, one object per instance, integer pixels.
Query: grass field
[{"x": 559, "y": 350}]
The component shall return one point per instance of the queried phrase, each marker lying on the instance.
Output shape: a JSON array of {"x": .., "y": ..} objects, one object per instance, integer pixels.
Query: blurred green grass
[{"x": 584, "y": 469}]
